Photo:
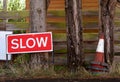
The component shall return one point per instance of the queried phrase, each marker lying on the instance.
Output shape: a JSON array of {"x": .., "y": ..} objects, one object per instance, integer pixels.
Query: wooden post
[
  {"x": 4, "y": 9},
  {"x": 107, "y": 27},
  {"x": 74, "y": 34},
  {"x": 27, "y": 8},
  {"x": 27, "y": 4},
  {"x": 4, "y": 5}
]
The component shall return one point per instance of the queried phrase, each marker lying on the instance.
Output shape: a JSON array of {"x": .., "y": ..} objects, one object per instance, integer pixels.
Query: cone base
[{"x": 99, "y": 57}]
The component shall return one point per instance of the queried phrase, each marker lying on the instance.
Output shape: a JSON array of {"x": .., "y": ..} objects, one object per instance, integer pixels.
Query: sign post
[{"x": 3, "y": 55}]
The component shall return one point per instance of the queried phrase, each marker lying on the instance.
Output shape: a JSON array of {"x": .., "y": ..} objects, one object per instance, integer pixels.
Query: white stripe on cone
[{"x": 100, "y": 47}]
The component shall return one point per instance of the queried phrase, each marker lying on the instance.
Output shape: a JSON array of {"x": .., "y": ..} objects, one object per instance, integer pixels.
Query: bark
[
  {"x": 47, "y": 4},
  {"x": 28, "y": 8},
  {"x": 74, "y": 34},
  {"x": 38, "y": 24},
  {"x": 107, "y": 27}
]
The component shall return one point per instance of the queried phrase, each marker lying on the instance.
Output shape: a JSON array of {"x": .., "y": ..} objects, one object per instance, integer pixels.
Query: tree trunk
[
  {"x": 38, "y": 24},
  {"x": 28, "y": 8},
  {"x": 74, "y": 34},
  {"x": 107, "y": 27}
]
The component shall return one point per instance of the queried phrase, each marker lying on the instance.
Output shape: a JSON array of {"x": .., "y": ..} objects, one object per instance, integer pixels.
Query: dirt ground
[{"x": 64, "y": 80}]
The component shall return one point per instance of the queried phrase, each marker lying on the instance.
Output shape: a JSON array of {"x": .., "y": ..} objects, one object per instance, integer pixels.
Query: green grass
[
  {"x": 115, "y": 70},
  {"x": 57, "y": 71}
]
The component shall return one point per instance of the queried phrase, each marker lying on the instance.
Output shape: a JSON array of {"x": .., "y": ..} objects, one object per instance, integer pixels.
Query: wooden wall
[
  {"x": 90, "y": 12},
  {"x": 56, "y": 19},
  {"x": 86, "y": 4},
  {"x": 56, "y": 23}
]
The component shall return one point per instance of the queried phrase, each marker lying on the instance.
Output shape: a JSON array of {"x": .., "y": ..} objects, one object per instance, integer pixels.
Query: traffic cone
[
  {"x": 100, "y": 50},
  {"x": 99, "y": 65}
]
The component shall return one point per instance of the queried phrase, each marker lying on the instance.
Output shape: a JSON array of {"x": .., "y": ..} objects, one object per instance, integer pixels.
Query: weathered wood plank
[
  {"x": 25, "y": 26},
  {"x": 88, "y": 48},
  {"x": 52, "y": 16},
  {"x": 90, "y": 5},
  {"x": 57, "y": 2},
  {"x": 14, "y": 14},
  {"x": 87, "y": 4},
  {"x": 89, "y": 1},
  {"x": 88, "y": 28}
]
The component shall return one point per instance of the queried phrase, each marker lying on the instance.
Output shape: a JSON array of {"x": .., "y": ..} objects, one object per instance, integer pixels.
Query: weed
[
  {"x": 115, "y": 69},
  {"x": 24, "y": 71}
]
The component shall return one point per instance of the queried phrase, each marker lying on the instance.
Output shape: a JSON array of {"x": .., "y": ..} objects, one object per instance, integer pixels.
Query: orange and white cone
[
  {"x": 97, "y": 64},
  {"x": 100, "y": 50}
]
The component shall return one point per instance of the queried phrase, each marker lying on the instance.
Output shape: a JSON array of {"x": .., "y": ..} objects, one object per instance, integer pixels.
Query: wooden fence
[{"x": 56, "y": 24}]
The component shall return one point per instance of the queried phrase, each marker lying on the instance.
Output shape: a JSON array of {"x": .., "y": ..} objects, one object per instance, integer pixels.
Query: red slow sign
[{"x": 30, "y": 42}]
